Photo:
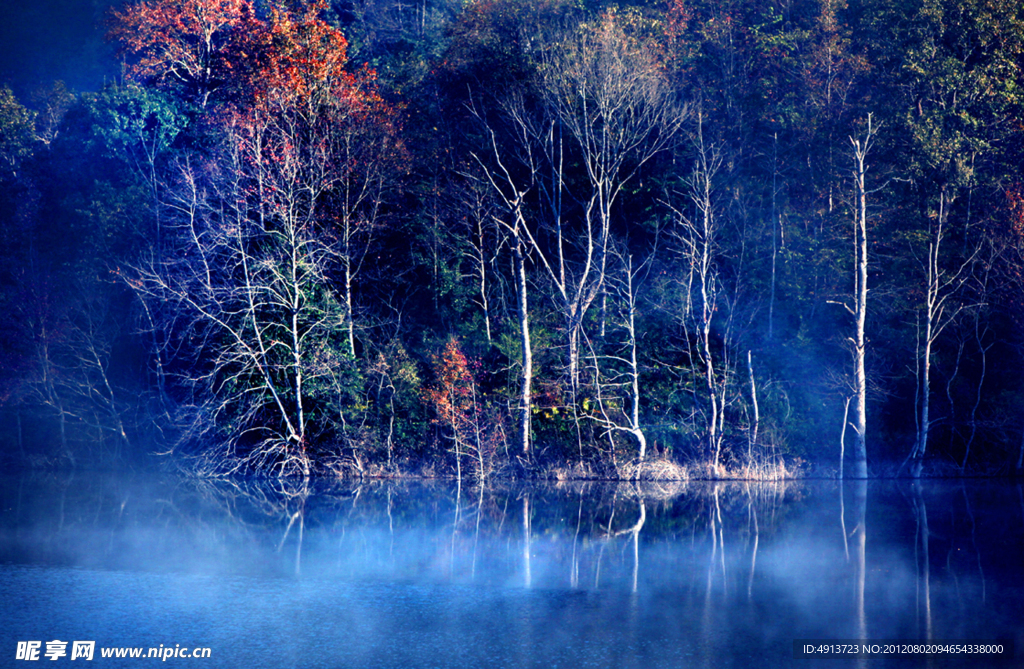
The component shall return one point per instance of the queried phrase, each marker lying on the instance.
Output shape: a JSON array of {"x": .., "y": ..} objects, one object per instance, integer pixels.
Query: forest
[{"x": 545, "y": 238}]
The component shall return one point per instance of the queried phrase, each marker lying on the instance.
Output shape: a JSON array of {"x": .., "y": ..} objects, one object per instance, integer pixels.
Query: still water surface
[{"x": 581, "y": 575}]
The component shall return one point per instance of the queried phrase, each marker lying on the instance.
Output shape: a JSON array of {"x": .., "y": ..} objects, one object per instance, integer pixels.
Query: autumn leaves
[{"x": 271, "y": 203}]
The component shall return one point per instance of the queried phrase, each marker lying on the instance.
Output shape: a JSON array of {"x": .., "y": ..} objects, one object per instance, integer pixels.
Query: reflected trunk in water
[
  {"x": 757, "y": 539},
  {"x": 634, "y": 531},
  {"x": 574, "y": 569},
  {"x": 410, "y": 574},
  {"x": 922, "y": 543},
  {"x": 717, "y": 540},
  {"x": 860, "y": 542},
  {"x": 527, "y": 571},
  {"x": 974, "y": 540},
  {"x": 636, "y": 542},
  {"x": 295, "y": 499},
  {"x": 476, "y": 533},
  {"x": 710, "y": 624}
]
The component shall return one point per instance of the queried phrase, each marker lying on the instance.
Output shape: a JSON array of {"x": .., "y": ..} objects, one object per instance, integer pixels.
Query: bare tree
[
  {"x": 511, "y": 191},
  {"x": 72, "y": 374},
  {"x": 606, "y": 93},
  {"x": 696, "y": 233},
  {"x": 247, "y": 283},
  {"x": 939, "y": 311},
  {"x": 484, "y": 237},
  {"x": 627, "y": 375},
  {"x": 606, "y": 89},
  {"x": 861, "y": 149},
  {"x": 279, "y": 211},
  {"x": 365, "y": 153}
]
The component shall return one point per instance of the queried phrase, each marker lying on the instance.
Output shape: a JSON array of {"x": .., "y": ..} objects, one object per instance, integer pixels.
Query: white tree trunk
[
  {"x": 526, "y": 396},
  {"x": 861, "y": 148},
  {"x": 753, "y": 401}
]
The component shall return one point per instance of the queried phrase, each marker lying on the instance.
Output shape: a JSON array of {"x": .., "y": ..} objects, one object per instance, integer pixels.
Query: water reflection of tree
[
  {"x": 146, "y": 522},
  {"x": 922, "y": 542},
  {"x": 702, "y": 515},
  {"x": 255, "y": 505},
  {"x": 757, "y": 539},
  {"x": 860, "y": 539},
  {"x": 711, "y": 557},
  {"x": 634, "y": 532},
  {"x": 580, "y": 535}
]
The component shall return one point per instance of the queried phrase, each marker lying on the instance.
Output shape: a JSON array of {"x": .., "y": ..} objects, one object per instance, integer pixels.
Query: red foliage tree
[
  {"x": 454, "y": 397},
  {"x": 220, "y": 49},
  {"x": 299, "y": 156},
  {"x": 454, "y": 401},
  {"x": 188, "y": 45}
]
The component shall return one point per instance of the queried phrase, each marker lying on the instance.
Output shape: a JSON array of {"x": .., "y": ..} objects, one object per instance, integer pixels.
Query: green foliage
[
  {"x": 137, "y": 125},
  {"x": 17, "y": 134}
]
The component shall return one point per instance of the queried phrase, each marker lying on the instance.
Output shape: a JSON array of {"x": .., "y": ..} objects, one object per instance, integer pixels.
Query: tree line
[{"x": 360, "y": 238}]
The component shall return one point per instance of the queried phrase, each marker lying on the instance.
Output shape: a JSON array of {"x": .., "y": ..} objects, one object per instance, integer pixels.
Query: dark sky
[{"x": 45, "y": 40}]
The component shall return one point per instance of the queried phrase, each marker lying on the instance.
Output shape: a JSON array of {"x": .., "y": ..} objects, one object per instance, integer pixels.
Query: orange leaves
[
  {"x": 181, "y": 42},
  {"x": 219, "y": 48},
  {"x": 304, "y": 58},
  {"x": 682, "y": 50},
  {"x": 1011, "y": 239},
  {"x": 1015, "y": 206},
  {"x": 278, "y": 86},
  {"x": 454, "y": 397}
]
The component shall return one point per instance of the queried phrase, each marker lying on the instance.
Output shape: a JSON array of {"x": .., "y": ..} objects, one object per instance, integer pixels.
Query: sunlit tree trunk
[
  {"x": 753, "y": 402},
  {"x": 983, "y": 348},
  {"x": 526, "y": 381},
  {"x": 941, "y": 287},
  {"x": 634, "y": 369},
  {"x": 861, "y": 149},
  {"x": 607, "y": 90},
  {"x": 479, "y": 213},
  {"x": 623, "y": 290},
  {"x": 697, "y": 234},
  {"x": 510, "y": 192}
]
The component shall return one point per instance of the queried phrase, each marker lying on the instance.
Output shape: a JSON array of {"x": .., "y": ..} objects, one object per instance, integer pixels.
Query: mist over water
[{"x": 415, "y": 574}]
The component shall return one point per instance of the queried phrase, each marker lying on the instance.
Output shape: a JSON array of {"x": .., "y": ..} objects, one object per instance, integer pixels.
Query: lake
[{"x": 431, "y": 574}]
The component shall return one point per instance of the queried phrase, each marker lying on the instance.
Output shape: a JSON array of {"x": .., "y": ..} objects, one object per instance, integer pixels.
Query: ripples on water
[{"x": 582, "y": 575}]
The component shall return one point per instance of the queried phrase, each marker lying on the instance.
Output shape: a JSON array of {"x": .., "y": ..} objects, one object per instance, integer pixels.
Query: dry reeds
[{"x": 657, "y": 469}]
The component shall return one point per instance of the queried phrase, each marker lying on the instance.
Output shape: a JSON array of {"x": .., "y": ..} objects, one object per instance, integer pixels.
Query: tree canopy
[{"x": 499, "y": 237}]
